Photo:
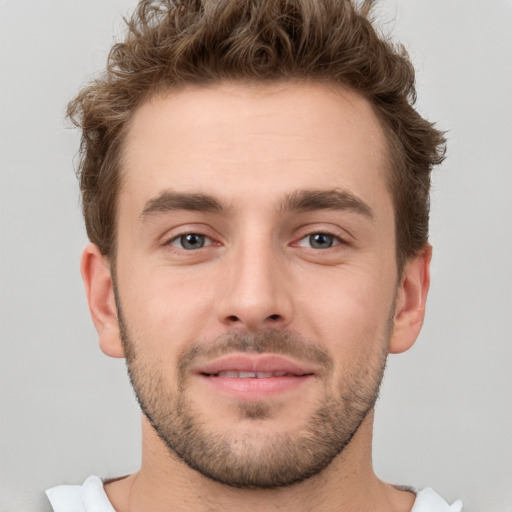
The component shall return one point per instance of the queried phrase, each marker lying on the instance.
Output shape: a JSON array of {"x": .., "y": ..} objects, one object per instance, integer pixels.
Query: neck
[{"x": 166, "y": 483}]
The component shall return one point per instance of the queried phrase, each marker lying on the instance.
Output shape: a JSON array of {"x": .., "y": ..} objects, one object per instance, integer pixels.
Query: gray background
[{"x": 445, "y": 416}]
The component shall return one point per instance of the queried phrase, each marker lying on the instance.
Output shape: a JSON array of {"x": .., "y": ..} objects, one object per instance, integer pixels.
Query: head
[
  {"x": 255, "y": 181},
  {"x": 172, "y": 44}
]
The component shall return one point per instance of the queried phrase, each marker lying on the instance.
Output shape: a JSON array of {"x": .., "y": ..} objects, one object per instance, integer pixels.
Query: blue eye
[
  {"x": 319, "y": 241},
  {"x": 191, "y": 241}
]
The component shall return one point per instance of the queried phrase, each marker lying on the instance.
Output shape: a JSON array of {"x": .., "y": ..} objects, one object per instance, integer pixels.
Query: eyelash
[
  {"x": 208, "y": 241},
  {"x": 337, "y": 240}
]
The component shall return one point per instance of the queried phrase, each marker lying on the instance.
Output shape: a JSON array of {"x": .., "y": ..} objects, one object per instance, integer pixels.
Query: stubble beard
[{"x": 255, "y": 459}]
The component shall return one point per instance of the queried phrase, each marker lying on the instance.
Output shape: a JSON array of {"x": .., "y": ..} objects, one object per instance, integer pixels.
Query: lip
[
  {"x": 263, "y": 363},
  {"x": 289, "y": 375}
]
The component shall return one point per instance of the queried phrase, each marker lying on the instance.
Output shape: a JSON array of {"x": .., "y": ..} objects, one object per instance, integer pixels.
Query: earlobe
[
  {"x": 99, "y": 289},
  {"x": 411, "y": 301}
]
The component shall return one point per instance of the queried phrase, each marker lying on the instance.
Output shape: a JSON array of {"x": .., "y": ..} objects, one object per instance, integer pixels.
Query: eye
[
  {"x": 191, "y": 241},
  {"x": 319, "y": 241}
]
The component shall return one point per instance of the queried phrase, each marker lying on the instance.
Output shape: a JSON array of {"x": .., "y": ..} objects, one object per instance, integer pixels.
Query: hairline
[{"x": 391, "y": 155}]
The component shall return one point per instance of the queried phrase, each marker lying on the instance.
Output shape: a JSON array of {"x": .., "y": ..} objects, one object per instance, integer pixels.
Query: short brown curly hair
[{"x": 171, "y": 43}]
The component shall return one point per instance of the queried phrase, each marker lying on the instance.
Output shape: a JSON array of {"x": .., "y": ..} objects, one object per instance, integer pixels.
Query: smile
[
  {"x": 258, "y": 366},
  {"x": 252, "y": 375}
]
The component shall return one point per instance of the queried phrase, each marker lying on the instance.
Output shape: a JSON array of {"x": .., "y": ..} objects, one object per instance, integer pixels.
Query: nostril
[{"x": 253, "y": 322}]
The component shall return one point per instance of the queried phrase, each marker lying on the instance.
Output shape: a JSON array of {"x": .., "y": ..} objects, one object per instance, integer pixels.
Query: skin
[{"x": 250, "y": 147}]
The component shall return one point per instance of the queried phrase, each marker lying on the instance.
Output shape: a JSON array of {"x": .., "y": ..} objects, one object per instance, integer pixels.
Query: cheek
[
  {"x": 350, "y": 312},
  {"x": 165, "y": 308}
]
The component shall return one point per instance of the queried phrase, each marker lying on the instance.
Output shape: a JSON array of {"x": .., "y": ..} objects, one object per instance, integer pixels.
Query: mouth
[{"x": 253, "y": 377}]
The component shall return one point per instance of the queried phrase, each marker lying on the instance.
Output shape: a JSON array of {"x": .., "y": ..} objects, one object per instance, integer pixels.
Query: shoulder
[
  {"x": 88, "y": 497},
  {"x": 428, "y": 500}
]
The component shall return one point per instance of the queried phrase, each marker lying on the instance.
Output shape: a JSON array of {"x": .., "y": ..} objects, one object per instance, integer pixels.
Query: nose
[{"x": 255, "y": 290}]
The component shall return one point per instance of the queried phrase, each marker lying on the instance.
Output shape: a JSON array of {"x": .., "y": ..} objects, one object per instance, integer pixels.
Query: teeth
[
  {"x": 251, "y": 375},
  {"x": 246, "y": 375},
  {"x": 228, "y": 374}
]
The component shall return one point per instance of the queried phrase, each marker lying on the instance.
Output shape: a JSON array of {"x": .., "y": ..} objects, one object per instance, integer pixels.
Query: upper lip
[{"x": 254, "y": 363}]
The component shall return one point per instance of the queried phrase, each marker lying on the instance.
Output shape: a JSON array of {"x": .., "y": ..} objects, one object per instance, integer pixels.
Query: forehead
[{"x": 255, "y": 140}]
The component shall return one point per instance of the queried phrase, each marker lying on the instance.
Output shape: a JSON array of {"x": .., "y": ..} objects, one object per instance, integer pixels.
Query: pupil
[
  {"x": 192, "y": 241},
  {"x": 321, "y": 241}
]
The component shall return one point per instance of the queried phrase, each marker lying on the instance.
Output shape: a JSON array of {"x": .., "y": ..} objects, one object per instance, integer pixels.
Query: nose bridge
[{"x": 255, "y": 294}]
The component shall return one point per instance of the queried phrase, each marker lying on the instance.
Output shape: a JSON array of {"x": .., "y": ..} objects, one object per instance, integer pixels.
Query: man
[{"x": 255, "y": 188}]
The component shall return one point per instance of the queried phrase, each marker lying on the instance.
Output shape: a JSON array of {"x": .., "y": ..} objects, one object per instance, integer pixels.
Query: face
[{"x": 256, "y": 275}]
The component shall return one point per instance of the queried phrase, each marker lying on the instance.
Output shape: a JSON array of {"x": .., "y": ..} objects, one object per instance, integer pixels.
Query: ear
[
  {"x": 410, "y": 303},
  {"x": 99, "y": 289}
]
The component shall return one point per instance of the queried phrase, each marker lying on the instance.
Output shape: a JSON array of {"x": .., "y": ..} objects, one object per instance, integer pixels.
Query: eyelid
[
  {"x": 340, "y": 235},
  {"x": 174, "y": 234},
  {"x": 337, "y": 240},
  {"x": 208, "y": 240}
]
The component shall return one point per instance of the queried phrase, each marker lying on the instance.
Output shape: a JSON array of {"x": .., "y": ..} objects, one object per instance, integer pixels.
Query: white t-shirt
[{"x": 91, "y": 497}]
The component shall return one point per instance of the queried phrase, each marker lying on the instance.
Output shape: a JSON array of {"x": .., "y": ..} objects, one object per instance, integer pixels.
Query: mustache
[{"x": 270, "y": 341}]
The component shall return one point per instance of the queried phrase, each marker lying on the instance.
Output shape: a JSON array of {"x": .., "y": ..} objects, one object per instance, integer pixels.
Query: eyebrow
[
  {"x": 298, "y": 201},
  {"x": 169, "y": 201},
  {"x": 310, "y": 200}
]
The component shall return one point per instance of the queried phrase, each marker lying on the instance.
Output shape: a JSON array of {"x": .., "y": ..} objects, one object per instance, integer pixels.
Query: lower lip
[{"x": 253, "y": 388}]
